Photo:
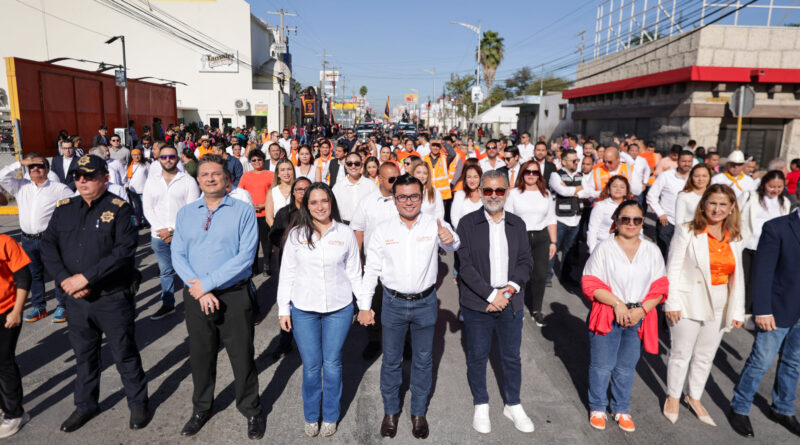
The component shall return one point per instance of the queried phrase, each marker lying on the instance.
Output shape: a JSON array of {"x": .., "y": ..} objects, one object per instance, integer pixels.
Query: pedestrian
[
  {"x": 322, "y": 163},
  {"x": 706, "y": 295},
  {"x": 305, "y": 163},
  {"x": 491, "y": 162},
  {"x": 204, "y": 148},
  {"x": 567, "y": 186},
  {"x": 662, "y": 198},
  {"x": 189, "y": 162},
  {"x": 14, "y": 286},
  {"x": 100, "y": 138},
  {"x": 607, "y": 169},
  {"x": 115, "y": 170},
  {"x": 280, "y": 192},
  {"x": 432, "y": 203},
  {"x": 734, "y": 175},
  {"x": 616, "y": 191},
  {"x": 137, "y": 172},
  {"x": 232, "y": 163},
  {"x": 625, "y": 280},
  {"x": 531, "y": 201},
  {"x": 438, "y": 174},
  {"x": 317, "y": 304},
  {"x": 371, "y": 169},
  {"x": 64, "y": 165},
  {"x": 491, "y": 293},
  {"x": 354, "y": 188},
  {"x": 687, "y": 200},
  {"x": 258, "y": 183},
  {"x": 89, "y": 248},
  {"x": 213, "y": 247},
  {"x": 403, "y": 252},
  {"x": 468, "y": 199},
  {"x": 119, "y": 152}
]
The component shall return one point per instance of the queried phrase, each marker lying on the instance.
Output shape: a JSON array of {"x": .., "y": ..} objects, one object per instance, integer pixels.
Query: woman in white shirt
[
  {"x": 320, "y": 270},
  {"x": 616, "y": 190},
  {"x": 138, "y": 169},
  {"x": 372, "y": 169},
  {"x": 432, "y": 203},
  {"x": 688, "y": 198},
  {"x": 768, "y": 201},
  {"x": 281, "y": 192},
  {"x": 467, "y": 200},
  {"x": 531, "y": 201},
  {"x": 305, "y": 163}
]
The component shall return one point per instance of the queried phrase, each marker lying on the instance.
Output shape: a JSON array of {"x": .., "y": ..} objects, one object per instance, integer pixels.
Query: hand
[
  {"x": 81, "y": 293},
  {"x": 673, "y": 316},
  {"x": 634, "y": 316},
  {"x": 553, "y": 249},
  {"x": 209, "y": 303},
  {"x": 500, "y": 301},
  {"x": 444, "y": 235},
  {"x": 168, "y": 239},
  {"x": 286, "y": 323},
  {"x": 620, "y": 311},
  {"x": 366, "y": 317},
  {"x": 663, "y": 220},
  {"x": 13, "y": 319},
  {"x": 74, "y": 283},
  {"x": 492, "y": 308},
  {"x": 163, "y": 233},
  {"x": 196, "y": 290},
  {"x": 26, "y": 162},
  {"x": 737, "y": 324},
  {"x": 766, "y": 322},
  {"x": 578, "y": 189}
]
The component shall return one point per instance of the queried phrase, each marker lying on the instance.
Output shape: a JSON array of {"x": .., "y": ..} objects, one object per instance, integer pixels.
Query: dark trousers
[
  {"x": 138, "y": 209},
  {"x": 479, "y": 328},
  {"x": 113, "y": 315},
  {"x": 232, "y": 323},
  {"x": 566, "y": 237},
  {"x": 32, "y": 249},
  {"x": 748, "y": 260},
  {"x": 664, "y": 236},
  {"x": 10, "y": 379},
  {"x": 266, "y": 245},
  {"x": 540, "y": 249}
]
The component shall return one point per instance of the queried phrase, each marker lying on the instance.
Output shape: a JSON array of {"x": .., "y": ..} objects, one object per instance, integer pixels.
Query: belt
[
  {"x": 410, "y": 297},
  {"x": 29, "y": 236},
  {"x": 234, "y": 287}
]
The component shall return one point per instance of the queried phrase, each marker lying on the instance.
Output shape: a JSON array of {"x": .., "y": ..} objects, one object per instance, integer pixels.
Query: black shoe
[
  {"x": 255, "y": 427},
  {"x": 163, "y": 312},
  {"x": 195, "y": 423},
  {"x": 789, "y": 422},
  {"x": 538, "y": 318},
  {"x": 140, "y": 417},
  {"x": 372, "y": 350},
  {"x": 741, "y": 424},
  {"x": 389, "y": 425},
  {"x": 76, "y": 420},
  {"x": 419, "y": 427}
]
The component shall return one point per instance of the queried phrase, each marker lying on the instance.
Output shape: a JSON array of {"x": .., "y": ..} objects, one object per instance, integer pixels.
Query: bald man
[{"x": 610, "y": 167}]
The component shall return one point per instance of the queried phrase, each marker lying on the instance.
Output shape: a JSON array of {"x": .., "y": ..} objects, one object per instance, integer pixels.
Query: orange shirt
[
  {"x": 722, "y": 261},
  {"x": 12, "y": 259},
  {"x": 402, "y": 154},
  {"x": 258, "y": 184}
]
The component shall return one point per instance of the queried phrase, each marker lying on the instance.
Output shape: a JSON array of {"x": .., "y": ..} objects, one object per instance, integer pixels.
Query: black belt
[
  {"x": 410, "y": 297},
  {"x": 29, "y": 236},
  {"x": 237, "y": 286}
]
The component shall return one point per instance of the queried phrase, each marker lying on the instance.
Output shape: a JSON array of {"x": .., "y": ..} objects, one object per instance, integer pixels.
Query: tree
[
  {"x": 491, "y": 55},
  {"x": 518, "y": 82},
  {"x": 458, "y": 88},
  {"x": 362, "y": 91}
]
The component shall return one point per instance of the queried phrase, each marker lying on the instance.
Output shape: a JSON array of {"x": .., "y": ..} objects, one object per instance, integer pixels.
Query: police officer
[{"x": 89, "y": 249}]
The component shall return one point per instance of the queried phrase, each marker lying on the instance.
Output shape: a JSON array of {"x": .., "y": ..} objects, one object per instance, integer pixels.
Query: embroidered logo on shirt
[
  {"x": 62, "y": 202},
  {"x": 118, "y": 202},
  {"x": 336, "y": 243},
  {"x": 107, "y": 216},
  {"x": 391, "y": 241}
]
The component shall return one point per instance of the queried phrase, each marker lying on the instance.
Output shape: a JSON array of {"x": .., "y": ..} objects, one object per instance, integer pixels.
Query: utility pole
[
  {"x": 541, "y": 86},
  {"x": 321, "y": 94},
  {"x": 125, "y": 77},
  {"x": 583, "y": 39},
  {"x": 281, "y": 48}
]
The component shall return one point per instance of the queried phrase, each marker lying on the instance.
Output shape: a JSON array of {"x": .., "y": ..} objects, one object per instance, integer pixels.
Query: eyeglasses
[
  {"x": 627, "y": 220},
  {"x": 168, "y": 157},
  {"x": 497, "y": 192},
  {"x": 402, "y": 199},
  {"x": 391, "y": 179},
  {"x": 492, "y": 147},
  {"x": 115, "y": 140},
  {"x": 300, "y": 189},
  {"x": 256, "y": 160},
  {"x": 39, "y": 166},
  {"x": 353, "y": 164},
  {"x": 532, "y": 173}
]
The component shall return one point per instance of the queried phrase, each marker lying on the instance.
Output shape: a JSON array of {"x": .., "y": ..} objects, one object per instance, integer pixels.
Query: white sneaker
[
  {"x": 311, "y": 429},
  {"x": 481, "y": 421},
  {"x": 9, "y": 427},
  {"x": 521, "y": 420},
  {"x": 328, "y": 429}
]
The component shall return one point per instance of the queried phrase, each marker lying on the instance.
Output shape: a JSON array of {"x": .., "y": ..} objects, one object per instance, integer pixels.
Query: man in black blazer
[
  {"x": 495, "y": 263},
  {"x": 539, "y": 154},
  {"x": 64, "y": 165},
  {"x": 776, "y": 307},
  {"x": 512, "y": 167}
]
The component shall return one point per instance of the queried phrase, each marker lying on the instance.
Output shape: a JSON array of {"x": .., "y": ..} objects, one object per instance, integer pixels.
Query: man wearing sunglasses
[
  {"x": 491, "y": 161},
  {"x": 354, "y": 188},
  {"x": 512, "y": 157},
  {"x": 567, "y": 184},
  {"x": 118, "y": 151},
  {"x": 36, "y": 200},
  {"x": 89, "y": 248}
]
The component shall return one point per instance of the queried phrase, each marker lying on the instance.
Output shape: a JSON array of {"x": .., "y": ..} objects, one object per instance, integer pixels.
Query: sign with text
[
  {"x": 260, "y": 109},
  {"x": 219, "y": 63}
]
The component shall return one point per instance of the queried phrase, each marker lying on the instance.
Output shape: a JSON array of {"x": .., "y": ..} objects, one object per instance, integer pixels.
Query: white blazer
[
  {"x": 689, "y": 274},
  {"x": 750, "y": 212}
]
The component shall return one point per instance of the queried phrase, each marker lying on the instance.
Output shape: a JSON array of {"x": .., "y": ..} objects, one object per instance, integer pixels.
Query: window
[{"x": 562, "y": 111}]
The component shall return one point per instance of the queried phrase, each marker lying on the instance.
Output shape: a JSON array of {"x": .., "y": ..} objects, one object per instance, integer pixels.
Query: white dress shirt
[
  {"x": 629, "y": 280},
  {"x": 35, "y": 203},
  {"x": 486, "y": 165},
  {"x": 685, "y": 205},
  {"x": 369, "y": 212},
  {"x": 435, "y": 208},
  {"x": 741, "y": 186},
  {"x": 286, "y": 145},
  {"x": 161, "y": 201},
  {"x": 406, "y": 260},
  {"x": 117, "y": 173},
  {"x": 558, "y": 187},
  {"x": 640, "y": 174},
  {"x": 498, "y": 256},
  {"x": 462, "y": 206},
  {"x": 242, "y": 195},
  {"x": 424, "y": 150},
  {"x": 600, "y": 223},
  {"x": 538, "y": 211},
  {"x": 664, "y": 192},
  {"x": 138, "y": 178},
  {"x": 320, "y": 278},
  {"x": 525, "y": 152},
  {"x": 626, "y": 158},
  {"x": 349, "y": 194},
  {"x": 763, "y": 215},
  {"x": 65, "y": 164}
]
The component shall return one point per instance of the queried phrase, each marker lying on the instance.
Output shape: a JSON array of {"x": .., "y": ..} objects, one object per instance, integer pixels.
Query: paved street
[{"x": 554, "y": 383}]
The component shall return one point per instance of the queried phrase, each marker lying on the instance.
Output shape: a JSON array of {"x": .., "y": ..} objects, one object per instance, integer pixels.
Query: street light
[
  {"x": 476, "y": 30},
  {"x": 125, "y": 85},
  {"x": 433, "y": 96}
]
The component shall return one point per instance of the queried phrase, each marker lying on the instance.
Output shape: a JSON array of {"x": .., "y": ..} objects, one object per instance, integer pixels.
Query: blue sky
[{"x": 386, "y": 45}]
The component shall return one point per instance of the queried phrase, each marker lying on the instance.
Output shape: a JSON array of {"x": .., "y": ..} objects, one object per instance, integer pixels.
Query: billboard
[
  {"x": 260, "y": 109},
  {"x": 411, "y": 98},
  {"x": 219, "y": 63}
]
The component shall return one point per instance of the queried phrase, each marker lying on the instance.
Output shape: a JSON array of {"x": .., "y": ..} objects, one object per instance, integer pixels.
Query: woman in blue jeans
[{"x": 318, "y": 303}]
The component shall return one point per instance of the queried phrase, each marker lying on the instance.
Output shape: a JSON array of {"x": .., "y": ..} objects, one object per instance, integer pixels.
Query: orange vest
[
  {"x": 652, "y": 159},
  {"x": 601, "y": 175},
  {"x": 402, "y": 154},
  {"x": 203, "y": 151},
  {"x": 441, "y": 175}
]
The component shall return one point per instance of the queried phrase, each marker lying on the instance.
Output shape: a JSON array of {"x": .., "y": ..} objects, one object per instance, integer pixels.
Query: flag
[{"x": 386, "y": 111}]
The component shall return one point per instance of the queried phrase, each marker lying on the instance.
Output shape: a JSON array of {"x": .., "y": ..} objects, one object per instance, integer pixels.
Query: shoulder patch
[
  {"x": 117, "y": 201},
  {"x": 62, "y": 202},
  {"x": 107, "y": 216}
]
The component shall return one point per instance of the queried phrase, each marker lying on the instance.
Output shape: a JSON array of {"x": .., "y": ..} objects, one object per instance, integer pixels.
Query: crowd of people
[{"x": 353, "y": 229}]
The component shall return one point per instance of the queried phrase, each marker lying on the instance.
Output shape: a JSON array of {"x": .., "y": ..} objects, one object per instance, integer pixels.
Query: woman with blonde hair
[
  {"x": 706, "y": 289},
  {"x": 432, "y": 203},
  {"x": 688, "y": 198}
]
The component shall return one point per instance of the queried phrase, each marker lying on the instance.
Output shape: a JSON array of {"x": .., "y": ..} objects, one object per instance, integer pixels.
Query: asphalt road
[{"x": 555, "y": 362}]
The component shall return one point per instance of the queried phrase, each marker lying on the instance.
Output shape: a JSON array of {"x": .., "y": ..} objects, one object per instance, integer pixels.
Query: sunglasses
[
  {"x": 627, "y": 220},
  {"x": 353, "y": 164},
  {"x": 493, "y": 147},
  {"x": 532, "y": 172},
  {"x": 114, "y": 140},
  {"x": 168, "y": 157},
  {"x": 300, "y": 189},
  {"x": 391, "y": 179},
  {"x": 86, "y": 177},
  {"x": 507, "y": 158},
  {"x": 497, "y": 192},
  {"x": 39, "y": 166}
]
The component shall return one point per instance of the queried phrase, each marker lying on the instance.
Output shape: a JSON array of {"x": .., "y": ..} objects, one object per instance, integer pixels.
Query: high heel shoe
[
  {"x": 705, "y": 419},
  {"x": 672, "y": 417}
]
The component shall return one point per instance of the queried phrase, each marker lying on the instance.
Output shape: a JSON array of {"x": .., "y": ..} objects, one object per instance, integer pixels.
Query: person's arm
[
  {"x": 654, "y": 195},
  {"x": 9, "y": 180},
  {"x": 681, "y": 209},
  {"x": 558, "y": 186},
  {"x": 372, "y": 271},
  {"x": 456, "y": 208},
  {"x": 524, "y": 261},
  {"x": 453, "y": 245},
  {"x": 238, "y": 171},
  {"x": 243, "y": 260},
  {"x": 593, "y": 229},
  {"x": 439, "y": 204},
  {"x": 269, "y": 209},
  {"x": 22, "y": 281},
  {"x": 126, "y": 238},
  {"x": 677, "y": 256},
  {"x": 288, "y": 275}
]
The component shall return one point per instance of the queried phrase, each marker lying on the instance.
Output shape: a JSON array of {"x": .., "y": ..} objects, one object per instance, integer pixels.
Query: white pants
[{"x": 694, "y": 345}]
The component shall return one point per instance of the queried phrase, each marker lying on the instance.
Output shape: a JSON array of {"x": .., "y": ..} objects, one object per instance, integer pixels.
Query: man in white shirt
[
  {"x": 154, "y": 170},
  {"x": 116, "y": 173},
  {"x": 163, "y": 196},
  {"x": 275, "y": 153},
  {"x": 662, "y": 197},
  {"x": 286, "y": 142},
  {"x": 641, "y": 171},
  {"x": 734, "y": 176},
  {"x": 273, "y": 139},
  {"x": 36, "y": 198},
  {"x": 491, "y": 161},
  {"x": 567, "y": 186},
  {"x": 424, "y": 148},
  {"x": 119, "y": 152},
  {"x": 525, "y": 149},
  {"x": 352, "y": 189},
  {"x": 404, "y": 253}
]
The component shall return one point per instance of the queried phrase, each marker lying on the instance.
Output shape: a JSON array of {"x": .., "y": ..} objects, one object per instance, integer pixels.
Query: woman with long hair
[
  {"x": 320, "y": 269},
  {"x": 531, "y": 201},
  {"x": 372, "y": 169},
  {"x": 305, "y": 163},
  {"x": 468, "y": 199},
  {"x": 280, "y": 194},
  {"x": 625, "y": 280},
  {"x": 616, "y": 191},
  {"x": 432, "y": 202},
  {"x": 706, "y": 287},
  {"x": 688, "y": 198},
  {"x": 459, "y": 185},
  {"x": 137, "y": 177}
]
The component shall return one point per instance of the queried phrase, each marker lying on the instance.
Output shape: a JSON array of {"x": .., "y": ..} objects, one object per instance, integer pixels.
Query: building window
[
  {"x": 213, "y": 122},
  {"x": 562, "y": 111}
]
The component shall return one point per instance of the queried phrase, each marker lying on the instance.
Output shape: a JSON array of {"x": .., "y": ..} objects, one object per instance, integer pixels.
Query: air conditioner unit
[{"x": 241, "y": 105}]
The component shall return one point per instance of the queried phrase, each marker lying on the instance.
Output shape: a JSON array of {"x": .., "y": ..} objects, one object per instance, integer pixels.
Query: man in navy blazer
[
  {"x": 776, "y": 306},
  {"x": 496, "y": 262},
  {"x": 64, "y": 165}
]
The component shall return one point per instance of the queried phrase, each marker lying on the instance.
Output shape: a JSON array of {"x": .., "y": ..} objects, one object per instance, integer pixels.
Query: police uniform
[{"x": 99, "y": 241}]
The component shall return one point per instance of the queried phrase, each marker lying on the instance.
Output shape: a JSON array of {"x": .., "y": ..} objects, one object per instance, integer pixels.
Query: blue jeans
[
  {"x": 166, "y": 273},
  {"x": 565, "y": 239},
  {"x": 479, "y": 328},
  {"x": 397, "y": 317},
  {"x": 33, "y": 250},
  {"x": 320, "y": 337},
  {"x": 784, "y": 342},
  {"x": 138, "y": 210},
  {"x": 613, "y": 356}
]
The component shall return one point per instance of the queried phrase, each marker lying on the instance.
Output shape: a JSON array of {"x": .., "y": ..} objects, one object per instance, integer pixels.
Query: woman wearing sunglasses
[
  {"x": 531, "y": 201},
  {"x": 625, "y": 280},
  {"x": 707, "y": 288},
  {"x": 615, "y": 192}
]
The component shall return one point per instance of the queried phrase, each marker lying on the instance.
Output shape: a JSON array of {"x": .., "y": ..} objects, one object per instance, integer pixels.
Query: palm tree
[
  {"x": 491, "y": 56},
  {"x": 363, "y": 91}
]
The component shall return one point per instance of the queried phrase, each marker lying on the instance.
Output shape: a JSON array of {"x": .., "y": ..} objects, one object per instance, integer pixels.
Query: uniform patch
[
  {"x": 62, "y": 202},
  {"x": 107, "y": 216},
  {"x": 118, "y": 202},
  {"x": 84, "y": 160}
]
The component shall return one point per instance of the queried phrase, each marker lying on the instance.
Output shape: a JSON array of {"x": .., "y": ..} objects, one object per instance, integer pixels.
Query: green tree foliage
[
  {"x": 458, "y": 87},
  {"x": 491, "y": 55},
  {"x": 362, "y": 91}
]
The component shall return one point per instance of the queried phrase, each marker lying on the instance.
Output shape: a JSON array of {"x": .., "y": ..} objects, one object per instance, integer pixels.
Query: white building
[
  {"x": 498, "y": 120},
  {"x": 225, "y": 62}
]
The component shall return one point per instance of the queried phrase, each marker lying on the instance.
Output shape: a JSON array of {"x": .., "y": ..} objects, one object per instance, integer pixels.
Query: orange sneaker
[
  {"x": 598, "y": 420},
  {"x": 625, "y": 422}
]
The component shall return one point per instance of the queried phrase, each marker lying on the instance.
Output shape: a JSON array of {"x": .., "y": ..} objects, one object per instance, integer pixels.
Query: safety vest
[
  {"x": 652, "y": 159},
  {"x": 451, "y": 172},
  {"x": 203, "y": 151},
  {"x": 601, "y": 175},
  {"x": 569, "y": 205},
  {"x": 441, "y": 175}
]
